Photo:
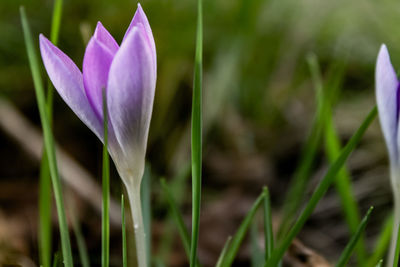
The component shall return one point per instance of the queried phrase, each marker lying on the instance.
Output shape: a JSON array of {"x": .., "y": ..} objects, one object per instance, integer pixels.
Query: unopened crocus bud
[
  {"x": 128, "y": 75},
  {"x": 387, "y": 96}
]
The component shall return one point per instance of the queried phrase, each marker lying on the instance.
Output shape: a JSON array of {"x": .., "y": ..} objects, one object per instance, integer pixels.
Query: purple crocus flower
[
  {"x": 387, "y": 96},
  {"x": 128, "y": 74}
]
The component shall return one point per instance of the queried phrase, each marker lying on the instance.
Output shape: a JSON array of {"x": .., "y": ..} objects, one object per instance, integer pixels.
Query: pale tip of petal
[
  {"x": 140, "y": 12},
  {"x": 383, "y": 53},
  {"x": 384, "y": 65},
  {"x": 99, "y": 27},
  {"x": 43, "y": 39}
]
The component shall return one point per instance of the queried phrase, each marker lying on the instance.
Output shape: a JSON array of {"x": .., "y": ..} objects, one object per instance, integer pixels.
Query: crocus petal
[
  {"x": 140, "y": 18},
  {"x": 67, "y": 79},
  {"x": 99, "y": 54},
  {"x": 130, "y": 93},
  {"x": 103, "y": 36},
  {"x": 387, "y": 84}
]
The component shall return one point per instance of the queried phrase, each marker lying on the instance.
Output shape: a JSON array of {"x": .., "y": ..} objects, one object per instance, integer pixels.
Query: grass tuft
[
  {"x": 321, "y": 189},
  {"x": 48, "y": 140}
]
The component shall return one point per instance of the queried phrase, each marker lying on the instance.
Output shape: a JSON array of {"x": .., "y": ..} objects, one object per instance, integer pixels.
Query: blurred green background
[{"x": 258, "y": 109}]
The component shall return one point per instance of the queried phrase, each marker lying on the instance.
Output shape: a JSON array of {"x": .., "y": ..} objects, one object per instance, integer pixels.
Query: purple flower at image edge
[{"x": 387, "y": 97}]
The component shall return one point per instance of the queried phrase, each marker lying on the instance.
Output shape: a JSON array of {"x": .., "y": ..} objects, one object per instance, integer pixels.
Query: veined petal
[
  {"x": 387, "y": 84},
  {"x": 96, "y": 65},
  {"x": 140, "y": 18},
  {"x": 67, "y": 79},
  {"x": 130, "y": 94}
]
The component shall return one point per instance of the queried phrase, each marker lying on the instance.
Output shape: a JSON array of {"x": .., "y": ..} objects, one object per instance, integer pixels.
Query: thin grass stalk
[
  {"x": 257, "y": 255},
  {"x": 332, "y": 149},
  {"x": 382, "y": 243},
  {"x": 45, "y": 203},
  {"x": 177, "y": 185},
  {"x": 197, "y": 136},
  {"x": 241, "y": 232},
  {"x": 82, "y": 249},
  {"x": 295, "y": 195},
  {"x": 223, "y": 253},
  {"x": 177, "y": 216},
  {"x": 48, "y": 140},
  {"x": 346, "y": 254},
  {"x": 45, "y": 200},
  {"x": 268, "y": 233}
]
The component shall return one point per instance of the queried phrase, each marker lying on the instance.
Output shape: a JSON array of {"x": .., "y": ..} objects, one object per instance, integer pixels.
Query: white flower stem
[
  {"x": 395, "y": 176},
  {"x": 136, "y": 211}
]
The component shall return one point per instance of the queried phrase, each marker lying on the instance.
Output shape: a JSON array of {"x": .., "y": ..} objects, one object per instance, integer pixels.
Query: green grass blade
[
  {"x": 383, "y": 241},
  {"x": 48, "y": 140},
  {"x": 124, "y": 250},
  {"x": 82, "y": 249},
  {"x": 197, "y": 135},
  {"x": 380, "y": 263},
  {"x": 45, "y": 202},
  {"x": 223, "y": 253},
  {"x": 332, "y": 148},
  {"x": 57, "y": 262},
  {"x": 346, "y": 254},
  {"x": 183, "y": 232},
  {"x": 397, "y": 251},
  {"x": 146, "y": 208},
  {"x": 105, "y": 222},
  {"x": 268, "y": 233},
  {"x": 321, "y": 189},
  {"x": 257, "y": 256},
  {"x": 56, "y": 21},
  {"x": 241, "y": 232},
  {"x": 54, "y": 34},
  {"x": 177, "y": 187},
  {"x": 297, "y": 189}
]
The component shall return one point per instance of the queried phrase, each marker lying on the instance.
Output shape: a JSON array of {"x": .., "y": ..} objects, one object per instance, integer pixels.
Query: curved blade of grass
[
  {"x": 257, "y": 256},
  {"x": 183, "y": 232},
  {"x": 380, "y": 263},
  {"x": 240, "y": 233},
  {"x": 321, "y": 189},
  {"x": 146, "y": 208},
  {"x": 45, "y": 200},
  {"x": 197, "y": 135},
  {"x": 82, "y": 249},
  {"x": 177, "y": 187},
  {"x": 397, "y": 251},
  {"x": 332, "y": 149},
  {"x": 383, "y": 242},
  {"x": 296, "y": 193},
  {"x": 48, "y": 140},
  {"x": 105, "y": 217},
  {"x": 123, "y": 226},
  {"x": 223, "y": 253},
  {"x": 344, "y": 258},
  {"x": 268, "y": 233}
]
